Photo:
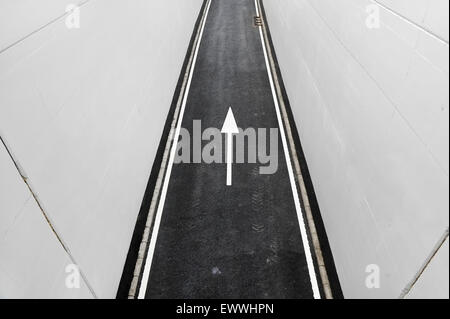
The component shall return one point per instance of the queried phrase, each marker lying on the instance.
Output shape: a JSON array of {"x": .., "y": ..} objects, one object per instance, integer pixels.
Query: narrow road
[{"x": 240, "y": 241}]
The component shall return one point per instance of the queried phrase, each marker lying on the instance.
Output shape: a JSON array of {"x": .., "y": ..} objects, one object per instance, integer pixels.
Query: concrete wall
[
  {"x": 434, "y": 277},
  {"x": 372, "y": 109},
  {"x": 82, "y": 112}
]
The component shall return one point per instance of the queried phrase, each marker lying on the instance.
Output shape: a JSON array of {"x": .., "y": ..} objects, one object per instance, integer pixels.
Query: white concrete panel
[
  {"x": 432, "y": 15},
  {"x": 371, "y": 106},
  {"x": 34, "y": 266},
  {"x": 32, "y": 261},
  {"x": 405, "y": 65},
  {"x": 13, "y": 193},
  {"x": 29, "y": 16},
  {"x": 83, "y": 111},
  {"x": 412, "y": 10}
]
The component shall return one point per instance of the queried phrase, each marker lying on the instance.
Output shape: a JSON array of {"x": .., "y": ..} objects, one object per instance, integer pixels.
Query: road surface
[{"x": 243, "y": 240}]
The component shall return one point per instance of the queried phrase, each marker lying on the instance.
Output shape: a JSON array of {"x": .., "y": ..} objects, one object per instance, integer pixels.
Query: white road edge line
[
  {"x": 151, "y": 249},
  {"x": 306, "y": 246}
]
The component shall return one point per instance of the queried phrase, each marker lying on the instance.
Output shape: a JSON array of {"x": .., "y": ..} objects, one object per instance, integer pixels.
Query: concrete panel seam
[
  {"x": 82, "y": 3},
  {"x": 427, "y": 262},
  {"x": 416, "y": 25},
  {"x": 394, "y": 105},
  {"x": 27, "y": 182}
]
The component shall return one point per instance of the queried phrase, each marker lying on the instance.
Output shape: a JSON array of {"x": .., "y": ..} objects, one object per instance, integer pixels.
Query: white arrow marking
[{"x": 229, "y": 128}]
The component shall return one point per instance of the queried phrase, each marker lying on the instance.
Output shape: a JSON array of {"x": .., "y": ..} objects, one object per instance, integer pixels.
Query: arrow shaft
[{"x": 229, "y": 159}]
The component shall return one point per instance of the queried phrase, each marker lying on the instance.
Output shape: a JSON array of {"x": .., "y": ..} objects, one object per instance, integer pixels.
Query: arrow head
[{"x": 230, "y": 126}]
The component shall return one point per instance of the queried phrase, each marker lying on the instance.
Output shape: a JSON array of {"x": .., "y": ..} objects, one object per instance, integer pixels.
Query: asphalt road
[{"x": 239, "y": 241}]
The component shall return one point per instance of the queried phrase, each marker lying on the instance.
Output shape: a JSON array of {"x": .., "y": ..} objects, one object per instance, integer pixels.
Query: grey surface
[
  {"x": 82, "y": 110},
  {"x": 434, "y": 277},
  {"x": 374, "y": 130},
  {"x": 229, "y": 242}
]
